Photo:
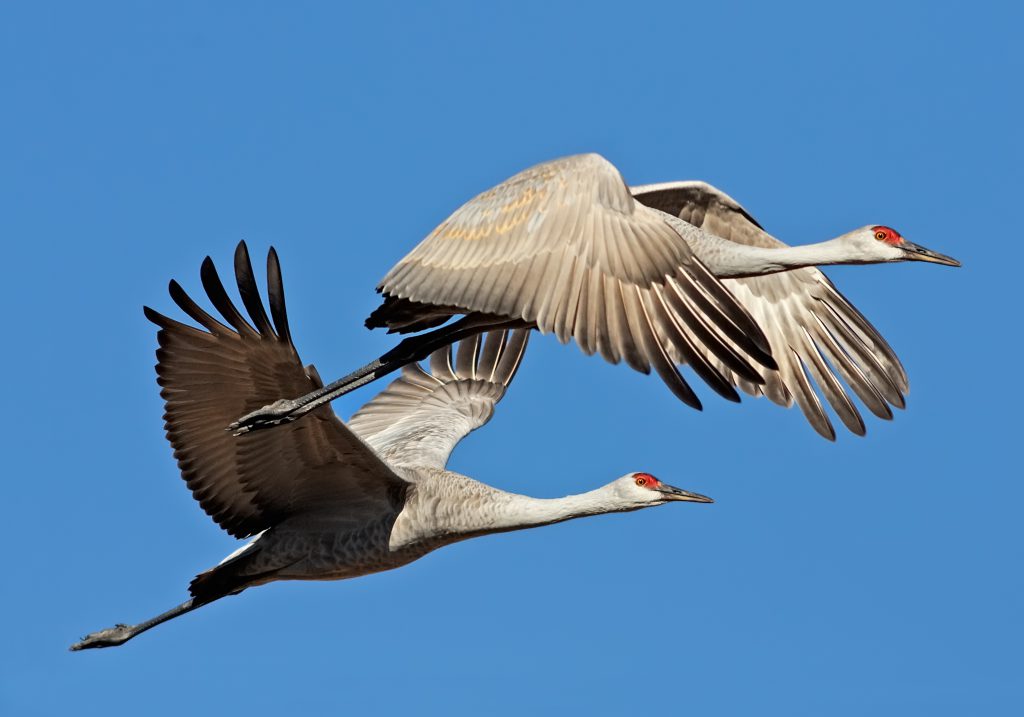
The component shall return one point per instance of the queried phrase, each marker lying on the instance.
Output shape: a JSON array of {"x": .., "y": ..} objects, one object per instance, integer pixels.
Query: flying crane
[
  {"x": 655, "y": 276},
  {"x": 322, "y": 500}
]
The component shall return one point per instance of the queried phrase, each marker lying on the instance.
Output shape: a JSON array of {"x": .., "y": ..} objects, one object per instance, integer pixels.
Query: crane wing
[
  {"x": 421, "y": 416},
  {"x": 209, "y": 377},
  {"x": 565, "y": 246},
  {"x": 816, "y": 335}
]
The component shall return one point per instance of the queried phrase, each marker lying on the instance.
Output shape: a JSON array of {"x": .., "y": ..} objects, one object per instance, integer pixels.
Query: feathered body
[{"x": 322, "y": 500}]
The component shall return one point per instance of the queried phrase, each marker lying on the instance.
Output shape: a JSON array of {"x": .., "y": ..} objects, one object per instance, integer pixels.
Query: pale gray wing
[
  {"x": 209, "y": 377},
  {"x": 421, "y": 416},
  {"x": 816, "y": 335},
  {"x": 564, "y": 245}
]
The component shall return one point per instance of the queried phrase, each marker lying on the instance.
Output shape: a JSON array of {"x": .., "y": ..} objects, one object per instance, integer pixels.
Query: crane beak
[
  {"x": 916, "y": 252},
  {"x": 672, "y": 493}
]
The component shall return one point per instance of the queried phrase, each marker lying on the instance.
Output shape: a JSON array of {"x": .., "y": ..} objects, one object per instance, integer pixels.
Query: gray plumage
[
  {"x": 323, "y": 500},
  {"x": 659, "y": 276},
  {"x": 564, "y": 246}
]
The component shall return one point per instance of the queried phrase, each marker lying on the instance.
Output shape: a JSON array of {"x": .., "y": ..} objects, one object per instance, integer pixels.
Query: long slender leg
[
  {"x": 120, "y": 634},
  {"x": 414, "y": 348}
]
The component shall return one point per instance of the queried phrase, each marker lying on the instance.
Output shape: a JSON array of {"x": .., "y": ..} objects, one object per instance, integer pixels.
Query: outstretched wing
[
  {"x": 251, "y": 482},
  {"x": 564, "y": 245},
  {"x": 815, "y": 333},
  {"x": 421, "y": 416}
]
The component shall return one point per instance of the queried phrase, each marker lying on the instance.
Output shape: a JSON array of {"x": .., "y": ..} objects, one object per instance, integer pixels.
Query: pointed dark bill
[
  {"x": 916, "y": 252},
  {"x": 673, "y": 493}
]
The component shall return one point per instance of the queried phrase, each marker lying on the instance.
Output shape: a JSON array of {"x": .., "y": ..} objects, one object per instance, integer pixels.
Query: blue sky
[{"x": 878, "y": 575}]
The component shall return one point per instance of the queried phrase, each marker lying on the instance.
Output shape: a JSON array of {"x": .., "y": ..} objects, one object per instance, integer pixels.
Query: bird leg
[
  {"x": 120, "y": 634},
  {"x": 414, "y": 348}
]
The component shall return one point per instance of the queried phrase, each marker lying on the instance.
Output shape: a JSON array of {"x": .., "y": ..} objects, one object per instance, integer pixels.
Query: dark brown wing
[
  {"x": 816, "y": 334},
  {"x": 210, "y": 377}
]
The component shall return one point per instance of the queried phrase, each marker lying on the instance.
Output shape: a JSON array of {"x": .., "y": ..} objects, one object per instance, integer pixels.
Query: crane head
[
  {"x": 879, "y": 243},
  {"x": 643, "y": 489}
]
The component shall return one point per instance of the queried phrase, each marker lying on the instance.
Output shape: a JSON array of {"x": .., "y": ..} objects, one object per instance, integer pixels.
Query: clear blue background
[{"x": 871, "y": 576}]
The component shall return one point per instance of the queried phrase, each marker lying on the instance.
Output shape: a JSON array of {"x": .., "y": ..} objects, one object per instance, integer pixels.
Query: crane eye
[
  {"x": 880, "y": 236},
  {"x": 641, "y": 481}
]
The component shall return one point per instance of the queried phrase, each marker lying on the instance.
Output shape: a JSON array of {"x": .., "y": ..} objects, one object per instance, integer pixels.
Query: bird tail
[
  {"x": 229, "y": 578},
  {"x": 404, "y": 316}
]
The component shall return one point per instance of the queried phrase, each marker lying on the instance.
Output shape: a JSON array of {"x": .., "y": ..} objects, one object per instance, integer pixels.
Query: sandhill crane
[
  {"x": 326, "y": 501},
  {"x": 656, "y": 276}
]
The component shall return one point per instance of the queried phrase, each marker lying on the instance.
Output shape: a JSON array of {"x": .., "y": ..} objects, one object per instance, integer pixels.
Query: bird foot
[
  {"x": 111, "y": 637},
  {"x": 269, "y": 416}
]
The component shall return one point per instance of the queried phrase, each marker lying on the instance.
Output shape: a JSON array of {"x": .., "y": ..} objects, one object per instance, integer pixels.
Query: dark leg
[
  {"x": 414, "y": 348},
  {"x": 120, "y": 634}
]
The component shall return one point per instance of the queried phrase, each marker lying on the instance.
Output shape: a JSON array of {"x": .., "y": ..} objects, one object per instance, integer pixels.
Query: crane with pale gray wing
[
  {"x": 319, "y": 499},
  {"x": 656, "y": 276}
]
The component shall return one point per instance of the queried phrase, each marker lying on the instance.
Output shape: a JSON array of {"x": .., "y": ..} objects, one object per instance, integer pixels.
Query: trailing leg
[
  {"x": 229, "y": 578},
  {"x": 120, "y": 634},
  {"x": 414, "y": 348}
]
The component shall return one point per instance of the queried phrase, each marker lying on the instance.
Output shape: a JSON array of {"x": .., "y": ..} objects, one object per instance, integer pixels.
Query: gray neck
[
  {"x": 522, "y": 511},
  {"x": 728, "y": 259},
  {"x": 480, "y": 509}
]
